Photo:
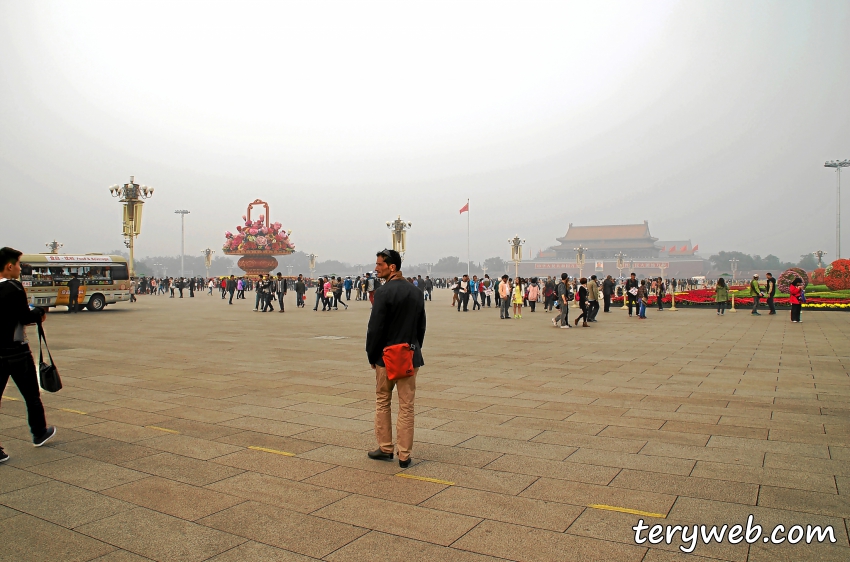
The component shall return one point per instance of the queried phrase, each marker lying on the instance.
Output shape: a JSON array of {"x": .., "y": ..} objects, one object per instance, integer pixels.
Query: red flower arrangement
[
  {"x": 837, "y": 275},
  {"x": 258, "y": 236}
]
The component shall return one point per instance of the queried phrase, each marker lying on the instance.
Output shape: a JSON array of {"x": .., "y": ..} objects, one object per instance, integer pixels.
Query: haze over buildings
[{"x": 711, "y": 120}]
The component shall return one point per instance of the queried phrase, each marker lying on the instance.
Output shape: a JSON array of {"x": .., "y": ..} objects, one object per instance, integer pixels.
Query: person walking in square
[
  {"x": 280, "y": 289},
  {"x": 562, "y": 294},
  {"x": 397, "y": 317},
  {"x": 797, "y": 297},
  {"x": 755, "y": 292},
  {"x": 770, "y": 290},
  {"x": 504, "y": 298},
  {"x": 660, "y": 290},
  {"x": 300, "y": 290},
  {"x": 518, "y": 297},
  {"x": 631, "y": 291},
  {"x": 16, "y": 359},
  {"x": 642, "y": 299},
  {"x": 74, "y": 293},
  {"x": 607, "y": 292},
  {"x": 581, "y": 295},
  {"x": 721, "y": 295},
  {"x": 592, "y": 298}
]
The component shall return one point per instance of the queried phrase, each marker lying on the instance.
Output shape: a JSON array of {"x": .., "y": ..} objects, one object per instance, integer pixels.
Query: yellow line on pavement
[
  {"x": 627, "y": 510},
  {"x": 11, "y": 398},
  {"x": 273, "y": 451},
  {"x": 73, "y": 411},
  {"x": 434, "y": 480},
  {"x": 161, "y": 429}
]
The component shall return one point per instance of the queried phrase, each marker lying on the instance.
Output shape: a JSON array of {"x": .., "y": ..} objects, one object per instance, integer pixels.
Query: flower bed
[{"x": 705, "y": 297}]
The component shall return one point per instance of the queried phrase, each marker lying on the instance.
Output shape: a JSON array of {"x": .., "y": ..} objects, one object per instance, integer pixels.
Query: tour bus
[{"x": 103, "y": 279}]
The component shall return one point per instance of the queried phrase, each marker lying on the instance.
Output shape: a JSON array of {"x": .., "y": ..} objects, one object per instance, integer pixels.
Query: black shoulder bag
[{"x": 47, "y": 374}]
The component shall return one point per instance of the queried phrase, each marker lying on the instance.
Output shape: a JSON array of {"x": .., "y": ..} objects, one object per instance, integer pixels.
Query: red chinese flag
[
  {"x": 684, "y": 248},
  {"x": 695, "y": 248},
  {"x": 465, "y": 208},
  {"x": 664, "y": 249}
]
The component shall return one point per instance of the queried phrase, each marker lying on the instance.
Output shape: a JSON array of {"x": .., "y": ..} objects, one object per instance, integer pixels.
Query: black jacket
[
  {"x": 607, "y": 288},
  {"x": 398, "y": 316},
  {"x": 14, "y": 310}
]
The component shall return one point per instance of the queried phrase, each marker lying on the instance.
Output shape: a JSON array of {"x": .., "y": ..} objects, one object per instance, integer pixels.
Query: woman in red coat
[{"x": 796, "y": 291}]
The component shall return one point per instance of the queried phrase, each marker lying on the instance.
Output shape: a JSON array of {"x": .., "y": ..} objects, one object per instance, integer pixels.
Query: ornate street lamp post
[
  {"x": 54, "y": 246},
  {"x": 621, "y": 265},
  {"x": 132, "y": 195},
  {"x": 580, "y": 257},
  {"x": 158, "y": 267},
  {"x": 516, "y": 252},
  {"x": 208, "y": 260},
  {"x": 837, "y": 164},
  {"x": 312, "y": 264},
  {"x": 820, "y": 254},
  {"x": 399, "y": 232},
  {"x": 734, "y": 264}
]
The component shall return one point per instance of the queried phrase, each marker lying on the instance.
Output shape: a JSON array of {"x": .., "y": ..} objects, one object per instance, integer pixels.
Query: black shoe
[
  {"x": 379, "y": 455},
  {"x": 404, "y": 464},
  {"x": 46, "y": 436},
  {"x": 3, "y": 456}
]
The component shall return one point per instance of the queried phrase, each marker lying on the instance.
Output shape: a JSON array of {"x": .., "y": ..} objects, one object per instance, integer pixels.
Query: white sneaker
[
  {"x": 567, "y": 326},
  {"x": 554, "y": 322}
]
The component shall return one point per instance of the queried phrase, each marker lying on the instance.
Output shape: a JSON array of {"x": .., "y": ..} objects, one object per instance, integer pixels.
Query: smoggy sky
[{"x": 711, "y": 120}]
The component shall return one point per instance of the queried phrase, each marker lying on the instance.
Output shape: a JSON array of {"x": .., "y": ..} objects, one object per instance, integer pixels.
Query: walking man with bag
[
  {"x": 16, "y": 359},
  {"x": 394, "y": 349},
  {"x": 562, "y": 290}
]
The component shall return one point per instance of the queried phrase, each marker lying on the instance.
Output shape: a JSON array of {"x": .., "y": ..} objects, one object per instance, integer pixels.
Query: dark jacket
[
  {"x": 771, "y": 287},
  {"x": 14, "y": 310},
  {"x": 607, "y": 288},
  {"x": 398, "y": 316}
]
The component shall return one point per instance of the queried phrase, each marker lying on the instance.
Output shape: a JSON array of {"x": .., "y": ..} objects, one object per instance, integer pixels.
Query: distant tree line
[{"x": 747, "y": 262}]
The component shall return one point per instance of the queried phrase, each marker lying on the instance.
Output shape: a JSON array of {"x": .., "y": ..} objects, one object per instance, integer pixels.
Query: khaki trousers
[{"x": 406, "y": 389}]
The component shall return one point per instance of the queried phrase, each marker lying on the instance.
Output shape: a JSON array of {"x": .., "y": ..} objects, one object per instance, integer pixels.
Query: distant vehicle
[{"x": 103, "y": 279}]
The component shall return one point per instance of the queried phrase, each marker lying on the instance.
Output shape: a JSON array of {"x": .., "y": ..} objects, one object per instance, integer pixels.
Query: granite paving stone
[
  {"x": 159, "y": 536},
  {"x": 22, "y": 538},
  {"x": 290, "y": 530}
]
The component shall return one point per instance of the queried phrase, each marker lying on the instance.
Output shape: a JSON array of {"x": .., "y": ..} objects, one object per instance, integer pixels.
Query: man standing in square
[{"x": 398, "y": 317}]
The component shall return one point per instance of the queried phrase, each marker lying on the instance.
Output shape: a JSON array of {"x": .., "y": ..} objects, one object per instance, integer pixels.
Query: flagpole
[{"x": 467, "y": 237}]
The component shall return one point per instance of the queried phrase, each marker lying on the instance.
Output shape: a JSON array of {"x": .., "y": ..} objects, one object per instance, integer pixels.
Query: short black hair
[
  {"x": 564, "y": 276},
  {"x": 391, "y": 257},
  {"x": 9, "y": 255}
]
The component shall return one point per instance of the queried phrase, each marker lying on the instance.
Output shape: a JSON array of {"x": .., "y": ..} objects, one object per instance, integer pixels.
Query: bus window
[
  {"x": 119, "y": 272},
  {"x": 38, "y": 276},
  {"x": 98, "y": 275}
]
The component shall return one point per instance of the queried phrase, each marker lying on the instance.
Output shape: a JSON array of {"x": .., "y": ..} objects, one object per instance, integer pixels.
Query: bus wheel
[{"x": 96, "y": 303}]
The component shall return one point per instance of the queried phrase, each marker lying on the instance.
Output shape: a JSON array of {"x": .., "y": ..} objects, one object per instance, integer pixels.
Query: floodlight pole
[
  {"x": 182, "y": 213},
  {"x": 837, "y": 164}
]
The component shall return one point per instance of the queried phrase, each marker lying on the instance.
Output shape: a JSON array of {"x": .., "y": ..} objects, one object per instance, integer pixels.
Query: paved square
[{"x": 194, "y": 430}]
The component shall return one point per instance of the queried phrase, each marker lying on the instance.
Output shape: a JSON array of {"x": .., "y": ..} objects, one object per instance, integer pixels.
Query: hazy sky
[{"x": 711, "y": 120}]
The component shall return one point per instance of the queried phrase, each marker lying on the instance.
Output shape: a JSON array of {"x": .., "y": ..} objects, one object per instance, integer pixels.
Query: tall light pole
[
  {"x": 158, "y": 267},
  {"x": 399, "y": 228},
  {"x": 182, "y": 213},
  {"x": 54, "y": 246},
  {"x": 820, "y": 254},
  {"x": 516, "y": 252},
  {"x": 208, "y": 259},
  {"x": 289, "y": 269},
  {"x": 837, "y": 164},
  {"x": 734, "y": 263},
  {"x": 132, "y": 195}
]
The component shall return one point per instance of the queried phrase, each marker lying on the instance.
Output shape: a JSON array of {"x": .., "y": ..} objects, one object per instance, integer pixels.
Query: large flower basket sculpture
[{"x": 258, "y": 242}]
